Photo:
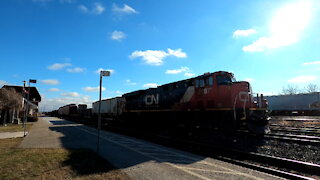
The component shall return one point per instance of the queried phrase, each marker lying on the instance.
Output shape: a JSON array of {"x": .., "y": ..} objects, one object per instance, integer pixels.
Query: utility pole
[
  {"x": 102, "y": 73},
  {"x": 24, "y": 102},
  {"x": 27, "y": 105}
]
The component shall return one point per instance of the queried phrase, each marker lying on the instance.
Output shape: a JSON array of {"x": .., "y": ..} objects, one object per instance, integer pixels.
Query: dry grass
[
  {"x": 46, "y": 164},
  {"x": 14, "y": 127}
]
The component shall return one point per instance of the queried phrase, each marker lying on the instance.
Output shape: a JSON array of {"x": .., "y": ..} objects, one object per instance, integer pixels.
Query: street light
[
  {"x": 102, "y": 73},
  {"x": 26, "y": 107}
]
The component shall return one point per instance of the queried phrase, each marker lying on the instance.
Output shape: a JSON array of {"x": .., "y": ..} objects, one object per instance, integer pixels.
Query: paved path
[
  {"x": 139, "y": 159},
  {"x": 6, "y": 135}
]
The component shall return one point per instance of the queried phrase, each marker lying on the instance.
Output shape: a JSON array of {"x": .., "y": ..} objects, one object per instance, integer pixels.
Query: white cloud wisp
[
  {"x": 53, "y": 90},
  {"x": 128, "y": 82},
  {"x": 118, "y": 35},
  {"x": 70, "y": 94},
  {"x": 150, "y": 85},
  {"x": 311, "y": 63},
  {"x": 3, "y": 83},
  {"x": 243, "y": 33},
  {"x": 302, "y": 79},
  {"x": 50, "y": 82},
  {"x": 124, "y": 10},
  {"x": 75, "y": 70},
  {"x": 97, "y": 9},
  {"x": 155, "y": 57},
  {"x": 58, "y": 66},
  {"x": 184, "y": 70},
  {"x": 93, "y": 89}
]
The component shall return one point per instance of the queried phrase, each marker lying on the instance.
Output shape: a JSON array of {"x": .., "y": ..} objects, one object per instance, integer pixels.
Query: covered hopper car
[
  {"x": 210, "y": 101},
  {"x": 297, "y": 104}
]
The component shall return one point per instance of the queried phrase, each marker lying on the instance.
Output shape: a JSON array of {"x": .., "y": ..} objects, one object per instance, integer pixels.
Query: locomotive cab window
[
  {"x": 224, "y": 80},
  {"x": 209, "y": 81},
  {"x": 200, "y": 83}
]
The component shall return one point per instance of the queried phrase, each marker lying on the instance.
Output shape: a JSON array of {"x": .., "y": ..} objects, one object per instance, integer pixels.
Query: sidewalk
[
  {"x": 46, "y": 133},
  {"x": 6, "y": 135}
]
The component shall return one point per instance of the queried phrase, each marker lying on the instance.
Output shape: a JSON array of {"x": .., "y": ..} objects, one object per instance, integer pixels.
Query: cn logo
[{"x": 151, "y": 99}]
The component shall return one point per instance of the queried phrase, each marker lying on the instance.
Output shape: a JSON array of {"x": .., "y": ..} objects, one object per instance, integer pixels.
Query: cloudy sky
[{"x": 64, "y": 43}]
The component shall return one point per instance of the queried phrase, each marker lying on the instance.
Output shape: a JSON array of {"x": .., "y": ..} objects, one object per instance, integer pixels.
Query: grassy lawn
[
  {"x": 82, "y": 164},
  {"x": 14, "y": 127}
]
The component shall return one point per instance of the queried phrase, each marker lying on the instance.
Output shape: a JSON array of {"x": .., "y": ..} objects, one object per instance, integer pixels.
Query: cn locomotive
[{"x": 211, "y": 101}]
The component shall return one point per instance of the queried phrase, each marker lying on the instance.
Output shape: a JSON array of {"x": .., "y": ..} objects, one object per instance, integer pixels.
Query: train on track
[
  {"x": 296, "y": 104},
  {"x": 212, "y": 101}
]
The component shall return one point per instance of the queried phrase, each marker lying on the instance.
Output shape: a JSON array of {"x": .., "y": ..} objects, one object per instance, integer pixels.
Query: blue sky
[{"x": 62, "y": 43}]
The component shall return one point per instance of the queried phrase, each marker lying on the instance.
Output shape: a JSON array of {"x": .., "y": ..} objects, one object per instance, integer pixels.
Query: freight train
[
  {"x": 212, "y": 101},
  {"x": 296, "y": 104}
]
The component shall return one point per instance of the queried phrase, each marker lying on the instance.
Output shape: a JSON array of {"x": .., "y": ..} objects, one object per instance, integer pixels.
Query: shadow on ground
[
  {"x": 86, "y": 162},
  {"x": 120, "y": 152}
]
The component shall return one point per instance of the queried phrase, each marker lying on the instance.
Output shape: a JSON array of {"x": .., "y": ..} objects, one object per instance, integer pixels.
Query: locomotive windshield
[
  {"x": 204, "y": 81},
  {"x": 224, "y": 80}
]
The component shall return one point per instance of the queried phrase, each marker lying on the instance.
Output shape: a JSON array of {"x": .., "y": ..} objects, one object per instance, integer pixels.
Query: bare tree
[
  {"x": 311, "y": 88},
  {"x": 290, "y": 90},
  {"x": 9, "y": 100}
]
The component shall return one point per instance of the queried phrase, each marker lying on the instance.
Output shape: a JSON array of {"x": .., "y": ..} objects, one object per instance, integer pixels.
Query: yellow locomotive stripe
[{"x": 258, "y": 109}]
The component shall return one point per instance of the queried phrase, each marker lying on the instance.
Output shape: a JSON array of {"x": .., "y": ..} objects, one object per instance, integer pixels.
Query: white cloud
[
  {"x": 155, "y": 57},
  {"x": 49, "y": 104},
  {"x": 128, "y": 82},
  {"x": 97, "y": 9},
  {"x": 311, "y": 63},
  {"x": 177, "y": 53},
  {"x": 83, "y": 8},
  {"x": 243, "y": 33},
  {"x": 150, "y": 85},
  {"x": 93, "y": 89},
  {"x": 53, "y": 90},
  {"x": 177, "y": 71},
  {"x": 124, "y": 10},
  {"x": 188, "y": 74},
  {"x": 285, "y": 27},
  {"x": 75, "y": 70},
  {"x": 118, "y": 92},
  {"x": 249, "y": 80},
  {"x": 70, "y": 94},
  {"x": 50, "y": 81},
  {"x": 3, "y": 83},
  {"x": 58, "y": 66},
  {"x": 112, "y": 71},
  {"x": 302, "y": 79},
  {"x": 118, "y": 35}
]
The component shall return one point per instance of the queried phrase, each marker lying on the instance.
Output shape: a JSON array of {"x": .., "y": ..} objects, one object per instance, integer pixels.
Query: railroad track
[
  {"x": 301, "y": 139},
  {"x": 299, "y": 131},
  {"x": 270, "y": 164},
  {"x": 296, "y": 118}
]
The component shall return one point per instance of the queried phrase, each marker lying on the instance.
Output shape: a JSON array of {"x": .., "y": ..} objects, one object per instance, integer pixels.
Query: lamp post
[
  {"x": 102, "y": 73},
  {"x": 26, "y": 108}
]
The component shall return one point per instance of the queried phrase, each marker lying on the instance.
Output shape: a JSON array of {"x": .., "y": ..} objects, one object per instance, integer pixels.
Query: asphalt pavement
[{"x": 138, "y": 158}]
